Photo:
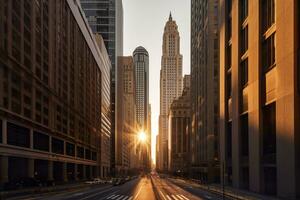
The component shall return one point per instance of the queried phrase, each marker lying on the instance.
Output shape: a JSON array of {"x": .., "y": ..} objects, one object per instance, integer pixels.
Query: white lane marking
[
  {"x": 126, "y": 197},
  {"x": 138, "y": 193},
  {"x": 184, "y": 197},
  {"x": 209, "y": 197},
  {"x": 169, "y": 198},
  {"x": 130, "y": 198},
  {"x": 77, "y": 194},
  {"x": 174, "y": 197},
  {"x": 162, "y": 195}
]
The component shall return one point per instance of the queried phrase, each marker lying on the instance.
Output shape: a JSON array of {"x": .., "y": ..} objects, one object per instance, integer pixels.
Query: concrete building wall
[
  {"x": 263, "y": 112},
  {"x": 179, "y": 133},
  {"x": 126, "y": 156},
  {"x": 205, "y": 90},
  {"x": 50, "y": 111}
]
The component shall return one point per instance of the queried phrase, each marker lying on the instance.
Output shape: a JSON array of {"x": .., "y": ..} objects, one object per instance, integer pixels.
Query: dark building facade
[
  {"x": 205, "y": 90},
  {"x": 179, "y": 132},
  {"x": 259, "y": 96},
  {"x": 105, "y": 17},
  {"x": 51, "y": 80}
]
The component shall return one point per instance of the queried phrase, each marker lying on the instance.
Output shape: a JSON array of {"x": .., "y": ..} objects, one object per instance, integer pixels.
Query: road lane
[{"x": 169, "y": 191}]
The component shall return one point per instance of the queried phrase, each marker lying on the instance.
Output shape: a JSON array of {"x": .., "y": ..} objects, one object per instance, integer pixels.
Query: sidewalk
[
  {"x": 43, "y": 190},
  {"x": 229, "y": 192}
]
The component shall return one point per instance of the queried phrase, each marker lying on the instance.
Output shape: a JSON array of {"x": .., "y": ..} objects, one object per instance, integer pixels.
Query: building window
[
  {"x": 40, "y": 141},
  {"x": 244, "y": 135},
  {"x": 229, "y": 27},
  {"x": 94, "y": 156},
  {"x": 18, "y": 135},
  {"x": 229, "y": 85},
  {"x": 244, "y": 40},
  {"x": 244, "y": 10},
  {"x": 268, "y": 17},
  {"x": 1, "y": 131},
  {"x": 269, "y": 130},
  {"x": 229, "y": 140},
  {"x": 268, "y": 53},
  {"x": 70, "y": 149},
  {"x": 244, "y": 73},
  {"x": 229, "y": 54},
  {"x": 57, "y": 146},
  {"x": 87, "y": 154},
  {"x": 80, "y": 152}
]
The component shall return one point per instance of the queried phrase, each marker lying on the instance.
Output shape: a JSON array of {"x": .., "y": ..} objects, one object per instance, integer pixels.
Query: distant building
[
  {"x": 205, "y": 91},
  {"x": 179, "y": 132},
  {"x": 105, "y": 17},
  {"x": 53, "y": 81},
  {"x": 170, "y": 84},
  {"x": 126, "y": 154},
  {"x": 260, "y": 96},
  {"x": 141, "y": 62}
]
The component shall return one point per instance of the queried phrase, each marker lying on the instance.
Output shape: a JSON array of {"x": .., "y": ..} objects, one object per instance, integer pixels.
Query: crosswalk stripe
[
  {"x": 111, "y": 196},
  {"x": 121, "y": 196},
  {"x": 169, "y": 198},
  {"x": 174, "y": 197},
  {"x": 116, "y": 196},
  {"x": 162, "y": 195},
  {"x": 126, "y": 197},
  {"x": 178, "y": 196},
  {"x": 130, "y": 198},
  {"x": 184, "y": 197}
]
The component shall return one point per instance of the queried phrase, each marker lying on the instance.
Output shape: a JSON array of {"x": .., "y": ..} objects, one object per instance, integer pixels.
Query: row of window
[{"x": 20, "y": 136}]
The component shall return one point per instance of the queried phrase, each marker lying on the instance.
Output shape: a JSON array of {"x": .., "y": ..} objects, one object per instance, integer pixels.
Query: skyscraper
[
  {"x": 105, "y": 17},
  {"x": 141, "y": 63},
  {"x": 260, "y": 96},
  {"x": 126, "y": 119},
  {"x": 205, "y": 90},
  {"x": 54, "y": 92},
  {"x": 170, "y": 84}
]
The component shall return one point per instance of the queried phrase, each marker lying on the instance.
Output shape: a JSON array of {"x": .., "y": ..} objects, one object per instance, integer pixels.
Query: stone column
[
  {"x": 65, "y": 175},
  {"x": 50, "y": 170},
  {"x": 3, "y": 169},
  {"x": 31, "y": 138},
  {"x": 30, "y": 168},
  {"x": 75, "y": 172},
  {"x": 83, "y": 172},
  {"x": 4, "y": 131}
]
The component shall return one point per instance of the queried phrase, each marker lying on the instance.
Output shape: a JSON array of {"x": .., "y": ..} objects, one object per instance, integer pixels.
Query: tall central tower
[{"x": 170, "y": 84}]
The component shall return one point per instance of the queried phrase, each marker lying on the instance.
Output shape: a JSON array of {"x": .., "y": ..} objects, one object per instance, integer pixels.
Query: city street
[{"x": 137, "y": 189}]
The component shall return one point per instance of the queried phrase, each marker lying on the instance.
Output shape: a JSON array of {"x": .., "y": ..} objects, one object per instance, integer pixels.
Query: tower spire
[{"x": 170, "y": 16}]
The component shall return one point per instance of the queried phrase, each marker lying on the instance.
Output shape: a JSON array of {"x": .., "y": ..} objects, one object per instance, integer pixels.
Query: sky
[{"x": 144, "y": 22}]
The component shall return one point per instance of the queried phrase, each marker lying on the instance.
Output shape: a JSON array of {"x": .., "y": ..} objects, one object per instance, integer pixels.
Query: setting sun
[{"x": 142, "y": 136}]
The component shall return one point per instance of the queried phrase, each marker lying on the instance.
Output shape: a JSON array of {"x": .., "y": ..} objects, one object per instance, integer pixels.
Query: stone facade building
[
  {"x": 126, "y": 140},
  {"x": 170, "y": 85},
  {"x": 179, "y": 132},
  {"x": 53, "y": 90},
  {"x": 259, "y": 96}
]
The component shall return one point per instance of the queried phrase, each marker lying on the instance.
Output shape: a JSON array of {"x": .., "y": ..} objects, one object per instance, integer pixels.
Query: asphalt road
[{"x": 146, "y": 188}]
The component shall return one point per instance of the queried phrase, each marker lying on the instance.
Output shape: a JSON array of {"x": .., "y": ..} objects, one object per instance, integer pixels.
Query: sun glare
[{"x": 142, "y": 136}]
